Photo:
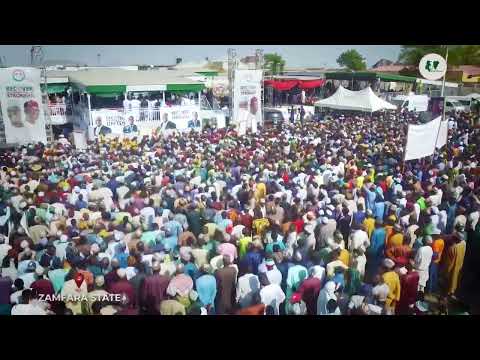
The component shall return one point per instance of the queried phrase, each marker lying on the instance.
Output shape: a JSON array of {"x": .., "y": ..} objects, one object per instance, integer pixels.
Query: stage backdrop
[
  {"x": 247, "y": 100},
  {"x": 21, "y": 105}
]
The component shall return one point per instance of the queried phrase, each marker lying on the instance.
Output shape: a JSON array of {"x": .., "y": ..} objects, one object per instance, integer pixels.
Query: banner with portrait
[
  {"x": 117, "y": 122},
  {"x": 21, "y": 105},
  {"x": 247, "y": 100}
]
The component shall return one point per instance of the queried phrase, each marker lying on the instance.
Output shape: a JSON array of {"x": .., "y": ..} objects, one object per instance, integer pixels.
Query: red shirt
[
  {"x": 309, "y": 291},
  {"x": 43, "y": 287},
  {"x": 124, "y": 287},
  {"x": 408, "y": 295},
  {"x": 299, "y": 225},
  {"x": 246, "y": 220}
]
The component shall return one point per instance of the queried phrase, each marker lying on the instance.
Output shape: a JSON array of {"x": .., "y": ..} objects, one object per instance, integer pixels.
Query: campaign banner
[
  {"x": 442, "y": 134},
  {"x": 247, "y": 100},
  {"x": 144, "y": 121},
  {"x": 422, "y": 139},
  {"x": 21, "y": 105}
]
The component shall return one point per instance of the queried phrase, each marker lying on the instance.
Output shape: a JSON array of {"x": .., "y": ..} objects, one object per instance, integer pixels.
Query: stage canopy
[
  {"x": 363, "y": 100},
  {"x": 285, "y": 85}
]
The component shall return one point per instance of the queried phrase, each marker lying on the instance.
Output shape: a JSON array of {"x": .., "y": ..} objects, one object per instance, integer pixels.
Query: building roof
[
  {"x": 128, "y": 77},
  {"x": 468, "y": 69},
  {"x": 389, "y": 68},
  {"x": 369, "y": 76},
  {"x": 110, "y": 80}
]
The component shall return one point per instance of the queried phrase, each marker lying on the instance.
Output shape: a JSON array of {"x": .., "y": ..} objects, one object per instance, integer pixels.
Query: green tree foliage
[
  {"x": 352, "y": 60},
  {"x": 274, "y": 63},
  {"x": 457, "y": 54}
]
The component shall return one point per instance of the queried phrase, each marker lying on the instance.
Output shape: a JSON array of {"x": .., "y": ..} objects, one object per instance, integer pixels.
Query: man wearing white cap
[
  {"x": 358, "y": 239},
  {"x": 271, "y": 295},
  {"x": 247, "y": 285},
  {"x": 98, "y": 293},
  {"x": 423, "y": 259},
  {"x": 123, "y": 287},
  {"x": 271, "y": 271},
  {"x": 391, "y": 278},
  {"x": 327, "y": 229}
]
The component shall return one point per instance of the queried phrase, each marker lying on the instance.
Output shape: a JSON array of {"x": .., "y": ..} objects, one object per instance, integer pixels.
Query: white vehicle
[
  {"x": 454, "y": 105},
  {"x": 417, "y": 103},
  {"x": 465, "y": 101}
]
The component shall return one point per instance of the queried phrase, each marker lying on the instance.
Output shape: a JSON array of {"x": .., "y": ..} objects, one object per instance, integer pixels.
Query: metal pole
[
  {"x": 443, "y": 110},
  {"x": 46, "y": 110}
]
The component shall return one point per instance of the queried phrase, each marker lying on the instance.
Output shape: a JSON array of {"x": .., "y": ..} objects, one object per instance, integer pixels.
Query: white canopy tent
[{"x": 363, "y": 100}]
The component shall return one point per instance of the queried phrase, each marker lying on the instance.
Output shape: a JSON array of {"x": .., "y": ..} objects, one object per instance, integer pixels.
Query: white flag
[
  {"x": 442, "y": 134},
  {"x": 421, "y": 139}
]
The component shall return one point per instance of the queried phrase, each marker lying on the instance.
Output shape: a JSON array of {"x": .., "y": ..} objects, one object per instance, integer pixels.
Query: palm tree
[{"x": 274, "y": 63}]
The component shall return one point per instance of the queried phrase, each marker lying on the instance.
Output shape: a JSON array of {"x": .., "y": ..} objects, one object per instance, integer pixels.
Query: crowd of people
[{"x": 322, "y": 218}]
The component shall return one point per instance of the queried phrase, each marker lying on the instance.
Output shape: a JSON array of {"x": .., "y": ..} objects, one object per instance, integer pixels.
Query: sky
[{"x": 115, "y": 55}]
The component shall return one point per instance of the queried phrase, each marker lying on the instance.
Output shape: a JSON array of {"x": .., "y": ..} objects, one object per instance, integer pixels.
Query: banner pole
[
  {"x": 444, "y": 101},
  {"x": 46, "y": 110}
]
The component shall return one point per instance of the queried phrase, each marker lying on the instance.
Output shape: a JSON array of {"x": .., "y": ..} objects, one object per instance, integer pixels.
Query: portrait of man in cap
[{"x": 32, "y": 111}]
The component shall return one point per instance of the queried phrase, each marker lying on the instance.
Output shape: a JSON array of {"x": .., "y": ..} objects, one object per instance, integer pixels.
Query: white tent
[{"x": 363, "y": 100}]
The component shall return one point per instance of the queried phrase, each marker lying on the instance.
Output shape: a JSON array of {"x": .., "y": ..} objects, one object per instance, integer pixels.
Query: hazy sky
[{"x": 295, "y": 55}]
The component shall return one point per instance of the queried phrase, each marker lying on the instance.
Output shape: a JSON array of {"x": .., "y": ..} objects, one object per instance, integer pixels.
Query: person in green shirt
[
  {"x": 421, "y": 203},
  {"x": 243, "y": 242},
  {"x": 149, "y": 238}
]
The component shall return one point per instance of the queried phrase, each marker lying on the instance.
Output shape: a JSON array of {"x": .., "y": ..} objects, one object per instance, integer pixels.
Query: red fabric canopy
[
  {"x": 281, "y": 85},
  {"x": 310, "y": 84},
  {"x": 290, "y": 84}
]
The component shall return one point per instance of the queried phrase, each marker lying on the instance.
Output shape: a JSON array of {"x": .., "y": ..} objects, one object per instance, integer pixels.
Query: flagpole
[{"x": 444, "y": 101}]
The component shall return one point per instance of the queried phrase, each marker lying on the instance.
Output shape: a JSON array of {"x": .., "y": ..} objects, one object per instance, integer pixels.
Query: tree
[
  {"x": 457, "y": 54},
  {"x": 352, "y": 60},
  {"x": 274, "y": 63},
  {"x": 216, "y": 66}
]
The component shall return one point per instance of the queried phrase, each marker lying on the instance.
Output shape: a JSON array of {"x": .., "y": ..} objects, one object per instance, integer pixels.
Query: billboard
[
  {"x": 117, "y": 122},
  {"x": 21, "y": 105},
  {"x": 247, "y": 100}
]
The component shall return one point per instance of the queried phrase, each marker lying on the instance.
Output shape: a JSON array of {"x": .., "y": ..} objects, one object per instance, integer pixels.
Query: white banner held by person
[
  {"x": 247, "y": 100},
  {"x": 442, "y": 134},
  {"x": 421, "y": 139},
  {"x": 21, "y": 105}
]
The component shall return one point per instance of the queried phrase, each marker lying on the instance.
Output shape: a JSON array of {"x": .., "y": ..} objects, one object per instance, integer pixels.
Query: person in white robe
[{"x": 423, "y": 258}]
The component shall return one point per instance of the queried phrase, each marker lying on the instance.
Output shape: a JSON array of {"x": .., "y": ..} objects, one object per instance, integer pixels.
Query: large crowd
[{"x": 311, "y": 218}]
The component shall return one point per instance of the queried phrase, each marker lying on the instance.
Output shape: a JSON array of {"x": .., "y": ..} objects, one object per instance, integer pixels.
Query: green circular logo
[{"x": 18, "y": 75}]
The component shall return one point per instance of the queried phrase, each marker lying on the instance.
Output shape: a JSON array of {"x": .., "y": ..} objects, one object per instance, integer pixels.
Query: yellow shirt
[
  {"x": 260, "y": 191},
  {"x": 260, "y": 225},
  {"x": 360, "y": 181},
  {"x": 344, "y": 257},
  {"x": 396, "y": 240},
  {"x": 388, "y": 232},
  {"x": 393, "y": 281},
  {"x": 369, "y": 224}
]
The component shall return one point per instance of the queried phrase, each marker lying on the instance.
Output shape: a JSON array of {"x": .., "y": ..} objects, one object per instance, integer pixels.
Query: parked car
[
  {"x": 272, "y": 117},
  {"x": 454, "y": 105}
]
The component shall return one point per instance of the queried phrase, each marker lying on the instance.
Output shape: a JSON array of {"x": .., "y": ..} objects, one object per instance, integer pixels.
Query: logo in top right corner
[{"x": 432, "y": 67}]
